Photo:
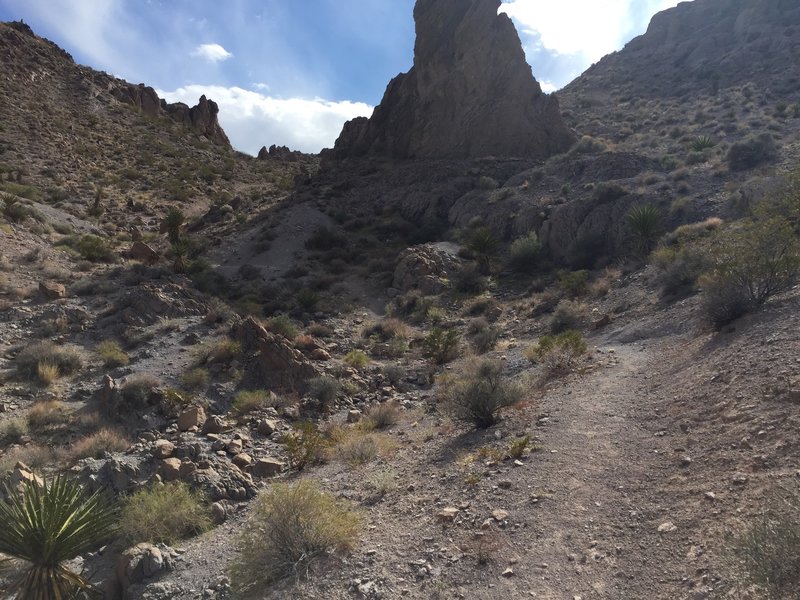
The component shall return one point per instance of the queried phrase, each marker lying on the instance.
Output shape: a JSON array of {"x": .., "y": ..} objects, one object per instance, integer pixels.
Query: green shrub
[
  {"x": 291, "y": 527},
  {"x": 164, "y": 514},
  {"x": 307, "y": 299},
  {"x": 524, "y": 253},
  {"x": 470, "y": 280},
  {"x": 33, "y": 361},
  {"x": 305, "y": 446},
  {"x": 557, "y": 353},
  {"x": 221, "y": 351},
  {"x": 324, "y": 390},
  {"x": 95, "y": 249},
  {"x": 483, "y": 244},
  {"x": 45, "y": 527},
  {"x": 248, "y": 401},
  {"x": 478, "y": 396},
  {"x": 644, "y": 221},
  {"x": 574, "y": 283},
  {"x": 751, "y": 262},
  {"x": 441, "y": 346},
  {"x": 768, "y": 552},
  {"x": 172, "y": 224},
  {"x": 136, "y": 389},
  {"x": 357, "y": 359},
  {"x": 112, "y": 354},
  {"x": 282, "y": 325},
  {"x": 195, "y": 379},
  {"x": 700, "y": 143},
  {"x": 482, "y": 335},
  {"x": 751, "y": 152},
  {"x": 567, "y": 315},
  {"x": 679, "y": 268},
  {"x": 11, "y": 432}
]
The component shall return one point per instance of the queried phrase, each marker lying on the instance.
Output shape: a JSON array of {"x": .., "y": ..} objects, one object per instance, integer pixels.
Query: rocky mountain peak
[{"x": 470, "y": 93}]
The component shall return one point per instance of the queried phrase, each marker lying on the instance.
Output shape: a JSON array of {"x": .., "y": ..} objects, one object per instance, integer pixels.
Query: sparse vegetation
[
  {"x": 305, "y": 446},
  {"x": 751, "y": 152},
  {"x": 136, "y": 389},
  {"x": 112, "y": 354},
  {"x": 557, "y": 353},
  {"x": 195, "y": 379},
  {"x": 478, "y": 395},
  {"x": 644, "y": 221},
  {"x": 248, "y": 401},
  {"x": 524, "y": 253},
  {"x": 98, "y": 444},
  {"x": 44, "y": 362},
  {"x": 441, "y": 346},
  {"x": 357, "y": 359},
  {"x": 164, "y": 514},
  {"x": 324, "y": 390},
  {"x": 282, "y": 325},
  {"x": 292, "y": 526}
]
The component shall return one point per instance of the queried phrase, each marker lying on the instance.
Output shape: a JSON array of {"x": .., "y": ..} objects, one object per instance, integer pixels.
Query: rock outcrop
[
  {"x": 202, "y": 118},
  {"x": 470, "y": 93}
]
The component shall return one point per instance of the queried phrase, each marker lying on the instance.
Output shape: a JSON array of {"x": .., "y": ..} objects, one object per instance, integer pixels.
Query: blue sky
[{"x": 290, "y": 72}]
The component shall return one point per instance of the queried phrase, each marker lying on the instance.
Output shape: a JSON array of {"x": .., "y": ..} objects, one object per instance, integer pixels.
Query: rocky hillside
[{"x": 450, "y": 366}]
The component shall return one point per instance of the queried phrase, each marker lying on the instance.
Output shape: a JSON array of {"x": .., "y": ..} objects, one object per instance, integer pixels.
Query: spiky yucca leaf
[
  {"x": 45, "y": 526},
  {"x": 645, "y": 222}
]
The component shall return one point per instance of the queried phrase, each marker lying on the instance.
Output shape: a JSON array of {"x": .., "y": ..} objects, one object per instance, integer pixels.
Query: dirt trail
[{"x": 602, "y": 467}]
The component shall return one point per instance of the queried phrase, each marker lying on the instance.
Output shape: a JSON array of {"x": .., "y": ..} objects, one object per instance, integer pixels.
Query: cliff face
[
  {"x": 470, "y": 93},
  {"x": 703, "y": 46}
]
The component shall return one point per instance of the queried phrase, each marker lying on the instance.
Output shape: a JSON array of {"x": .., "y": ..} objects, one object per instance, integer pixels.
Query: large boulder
[
  {"x": 140, "y": 563},
  {"x": 470, "y": 93},
  {"x": 273, "y": 362},
  {"x": 426, "y": 268}
]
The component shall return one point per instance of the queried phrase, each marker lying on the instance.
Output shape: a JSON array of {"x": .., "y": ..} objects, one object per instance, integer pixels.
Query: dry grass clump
[
  {"x": 387, "y": 329},
  {"x": 32, "y": 456},
  {"x": 291, "y": 527},
  {"x": 324, "y": 390},
  {"x": 137, "y": 389},
  {"x": 49, "y": 413},
  {"x": 112, "y": 354},
  {"x": 382, "y": 416},
  {"x": 568, "y": 315},
  {"x": 164, "y": 514},
  {"x": 221, "y": 351},
  {"x": 44, "y": 362},
  {"x": 12, "y": 431},
  {"x": 357, "y": 359},
  {"x": 305, "y": 446},
  {"x": 557, "y": 353},
  {"x": 195, "y": 379},
  {"x": 248, "y": 401},
  {"x": 98, "y": 443}
]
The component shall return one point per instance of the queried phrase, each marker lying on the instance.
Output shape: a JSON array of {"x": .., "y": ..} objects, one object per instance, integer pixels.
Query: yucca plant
[
  {"x": 46, "y": 525},
  {"x": 700, "y": 143},
  {"x": 482, "y": 243},
  {"x": 172, "y": 224},
  {"x": 645, "y": 223}
]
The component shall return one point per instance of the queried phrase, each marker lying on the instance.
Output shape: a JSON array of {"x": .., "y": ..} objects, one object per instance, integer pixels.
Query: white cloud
[
  {"x": 583, "y": 30},
  {"x": 253, "y": 120},
  {"x": 211, "y": 52}
]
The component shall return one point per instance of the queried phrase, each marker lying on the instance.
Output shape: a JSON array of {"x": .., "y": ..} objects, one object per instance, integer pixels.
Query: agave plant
[
  {"x": 483, "y": 244},
  {"x": 46, "y": 525}
]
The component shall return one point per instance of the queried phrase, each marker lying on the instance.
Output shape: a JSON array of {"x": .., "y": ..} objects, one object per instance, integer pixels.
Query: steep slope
[{"x": 470, "y": 93}]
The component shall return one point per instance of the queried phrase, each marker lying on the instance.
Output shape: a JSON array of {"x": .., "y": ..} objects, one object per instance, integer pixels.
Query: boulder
[
  {"x": 242, "y": 460},
  {"x": 170, "y": 469},
  {"x": 52, "y": 290},
  {"x": 273, "y": 362},
  {"x": 213, "y": 424},
  {"x": 141, "y": 562},
  {"x": 470, "y": 93},
  {"x": 266, "y": 467},
  {"x": 194, "y": 416},
  {"x": 426, "y": 268},
  {"x": 22, "y": 476},
  {"x": 143, "y": 253},
  {"x": 163, "y": 449}
]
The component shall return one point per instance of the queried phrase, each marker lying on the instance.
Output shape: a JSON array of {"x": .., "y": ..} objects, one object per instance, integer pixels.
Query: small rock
[
  {"x": 235, "y": 446},
  {"x": 213, "y": 424},
  {"x": 267, "y": 427},
  {"x": 509, "y": 572},
  {"x": 194, "y": 416},
  {"x": 163, "y": 449},
  {"x": 499, "y": 515},
  {"x": 667, "y": 527},
  {"x": 52, "y": 290},
  {"x": 448, "y": 515},
  {"x": 353, "y": 416},
  {"x": 170, "y": 469},
  {"x": 266, "y": 467},
  {"x": 242, "y": 460}
]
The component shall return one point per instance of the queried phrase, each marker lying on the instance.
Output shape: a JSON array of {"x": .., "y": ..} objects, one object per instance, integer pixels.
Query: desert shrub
[
  {"x": 608, "y": 191},
  {"x": 767, "y": 554},
  {"x": 751, "y": 262},
  {"x": 574, "y": 283},
  {"x": 305, "y": 446},
  {"x": 221, "y": 351},
  {"x": 478, "y": 395},
  {"x": 524, "y": 253},
  {"x": 136, "y": 389},
  {"x": 517, "y": 447},
  {"x": 248, "y": 401},
  {"x": 324, "y": 239},
  {"x": 291, "y": 527},
  {"x": 95, "y": 249},
  {"x": 487, "y": 183},
  {"x": 282, "y": 325},
  {"x": 644, "y": 221},
  {"x": 394, "y": 373},
  {"x": 386, "y": 330},
  {"x": 359, "y": 449},
  {"x": 40, "y": 358},
  {"x": 482, "y": 335},
  {"x": 568, "y": 314},
  {"x": 383, "y": 482},
  {"x": 195, "y": 379},
  {"x": 33, "y": 456},
  {"x": 45, "y": 527},
  {"x": 679, "y": 268},
  {"x": 307, "y": 299},
  {"x": 357, "y": 359},
  {"x": 751, "y": 152},
  {"x": 324, "y": 390},
  {"x": 47, "y": 413},
  {"x": 588, "y": 145},
  {"x": 12, "y": 431},
  {"x": 441, "y": 346},
  {"x": 557, "y": 353},
  {"x": 98, "y": 443},
  {"x": 173, "y": 223},
  {"x": 470, "y": 280},
  {"x": 164, "y": 514},
  {"x": 320, "y": 330},
  {"x": 112, "y": 354},
  {"x": 382, "y": 415}
]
